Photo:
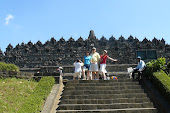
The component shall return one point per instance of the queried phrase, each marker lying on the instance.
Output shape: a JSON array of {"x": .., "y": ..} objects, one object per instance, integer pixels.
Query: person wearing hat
[
  {"x": 60, "y": 70},
  {"x": 140, "y": 67},
  {"x": 103, "y": 59},
  {"x": 94, "y": 63}
]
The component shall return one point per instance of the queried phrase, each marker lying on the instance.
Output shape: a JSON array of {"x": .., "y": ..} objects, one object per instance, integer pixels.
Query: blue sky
[{"x": 25, "y": 20}]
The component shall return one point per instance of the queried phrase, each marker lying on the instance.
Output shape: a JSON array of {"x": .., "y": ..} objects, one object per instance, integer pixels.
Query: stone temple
[{"x": 62, "y": 52}]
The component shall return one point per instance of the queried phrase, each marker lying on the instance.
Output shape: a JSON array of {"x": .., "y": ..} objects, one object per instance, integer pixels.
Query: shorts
[
  {"x": 94, "y": 67},
  {"x": 86, "y": 66},
  {"x": 103, "y": 68},
  {"x": 77, "y": 74}
]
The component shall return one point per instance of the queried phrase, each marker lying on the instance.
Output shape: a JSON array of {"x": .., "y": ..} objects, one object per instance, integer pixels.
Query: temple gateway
[{"x": 62, "y": 52}]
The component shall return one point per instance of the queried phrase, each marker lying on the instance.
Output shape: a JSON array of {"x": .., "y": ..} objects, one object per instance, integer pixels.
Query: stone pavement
[
  {"x": 53, "y": 99},
  {"x": 50, "y": 100}
]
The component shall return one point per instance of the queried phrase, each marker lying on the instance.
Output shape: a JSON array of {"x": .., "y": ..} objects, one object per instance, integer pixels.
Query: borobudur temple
[{"x": 62, "y": 52}]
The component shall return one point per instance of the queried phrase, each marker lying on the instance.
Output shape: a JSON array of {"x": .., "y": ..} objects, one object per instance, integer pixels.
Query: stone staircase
[{"x": 108, "y": 96}]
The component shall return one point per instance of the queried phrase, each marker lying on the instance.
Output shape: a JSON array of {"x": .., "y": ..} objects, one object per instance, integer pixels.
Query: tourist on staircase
[
  {"x": 87, "y": 61},
  {"x": 140, "y": 67},
  {"x": 94, "y": 63},
  {"x": 78, "y": 70},
  {"x": 103, "y": 59}
]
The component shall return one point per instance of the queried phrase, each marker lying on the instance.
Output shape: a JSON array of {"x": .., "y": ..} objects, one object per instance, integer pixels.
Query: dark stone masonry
[{"x": 62, "y": 52}]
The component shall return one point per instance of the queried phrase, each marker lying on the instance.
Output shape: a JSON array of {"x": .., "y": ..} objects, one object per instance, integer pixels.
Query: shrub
[
  {"x": 35, "y": 101},
  {"x": 149, "y": 68},
  {"x": 162, "y": 82},
  {"x": 155, "y": 65},
  {"x": 12, "y": 67},
  {"x": 8, "y": 67},
  {"x": 161, "y": 63},
  {"x": 3, "y": 66}
]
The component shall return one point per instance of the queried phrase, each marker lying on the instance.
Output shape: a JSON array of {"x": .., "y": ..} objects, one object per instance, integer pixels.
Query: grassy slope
[{"x": 13, "y": 93}]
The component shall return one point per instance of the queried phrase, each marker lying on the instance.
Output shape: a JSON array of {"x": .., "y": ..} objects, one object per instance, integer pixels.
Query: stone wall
[{"x": 62, "y": 52}]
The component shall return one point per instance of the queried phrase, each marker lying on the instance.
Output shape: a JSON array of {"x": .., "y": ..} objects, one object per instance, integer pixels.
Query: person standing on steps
[
  {"x": 140, "y": 67},
  {"x": 94, "y": 63},
  {"x": 78, "y": 70},
  {"x": 103, "y": 59},
  {"x": 87, "y": 61}
]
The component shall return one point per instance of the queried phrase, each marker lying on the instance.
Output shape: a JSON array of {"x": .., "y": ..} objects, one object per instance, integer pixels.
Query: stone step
[
  {"x": 101, "y": 81},
  {"x": 115, "y": 73},
  {"x": 119, "y": 75},
  {"x": 127, "y": 110},
  {"x": 105, "y": 101},
  {"x": 95, "y": 86},
  {"x": 104, "y": 96},
  {"x": 103, "y": 87},
  {"x": 85, "y": 92},
  {"x": 104, "y": 106},
  {"x": 102, "y": 84},
  {"x": 68, "y": 76}
]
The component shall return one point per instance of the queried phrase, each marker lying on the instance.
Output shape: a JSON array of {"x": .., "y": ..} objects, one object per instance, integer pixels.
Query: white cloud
[{"x": 8, "y": 18}]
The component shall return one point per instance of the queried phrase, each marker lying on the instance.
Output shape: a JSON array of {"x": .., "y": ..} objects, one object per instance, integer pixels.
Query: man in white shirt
[
  {"x": 140, "y": 67},
  {"x": 78, "y": 70}
]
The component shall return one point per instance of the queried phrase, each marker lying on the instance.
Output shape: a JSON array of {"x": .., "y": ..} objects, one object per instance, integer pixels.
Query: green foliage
[
  {"x": 161, "y": 63},
  {"x": 149, "y": 67},
  {"x": 35, "y": 101},
  {"x": 168, "y": 65},
  {"x": 8, "y": 67},
  {"x": 154, "y": 69},
  {"x": 155, "y": 65},
  {"x": 162, "y": 81},
  {"x": 12, "y": 67}
]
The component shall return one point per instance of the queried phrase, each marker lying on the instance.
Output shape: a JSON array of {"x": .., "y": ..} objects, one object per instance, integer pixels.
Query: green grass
[
  {"x": 13, "y": 93},
  {"x": 35, "y": 101}
]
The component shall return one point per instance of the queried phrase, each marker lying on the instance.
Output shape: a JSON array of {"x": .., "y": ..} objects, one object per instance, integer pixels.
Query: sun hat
[
  {"x": 139, "y": 57},
  {"x": 105, "y": 51},
  {"x": 60, "y": 67},
  {"x": 93, "y": 48}
]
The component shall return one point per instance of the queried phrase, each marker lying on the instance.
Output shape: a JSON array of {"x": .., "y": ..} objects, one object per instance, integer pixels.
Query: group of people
[{"x": 91, "y": 63}]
